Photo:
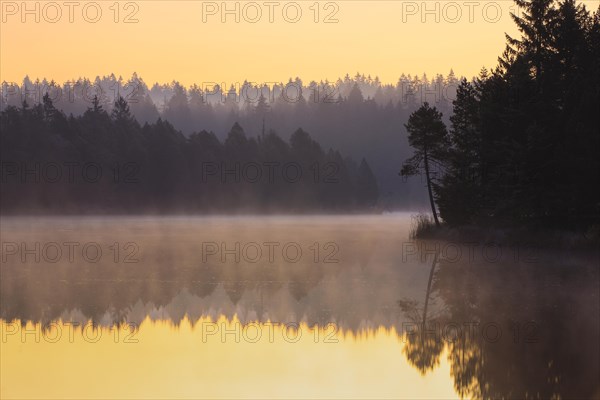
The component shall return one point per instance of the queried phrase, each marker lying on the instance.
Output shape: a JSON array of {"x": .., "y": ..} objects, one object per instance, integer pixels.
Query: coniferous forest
[
  {"x": 523, "y": 143},
  {"x": 358, "y": 236},
  {"x": 518, "y": 144},
  {"x": 101, "y": 162}
]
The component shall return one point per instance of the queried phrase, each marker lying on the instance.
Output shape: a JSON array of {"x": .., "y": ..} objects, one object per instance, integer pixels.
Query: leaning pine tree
[{"x": 427, "y": 134}]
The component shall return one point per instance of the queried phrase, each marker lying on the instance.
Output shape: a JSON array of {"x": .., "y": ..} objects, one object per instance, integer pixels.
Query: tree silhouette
[
  {"x": 458, "y": 194},
  {"x": 428, "y": 136},
  {"x": 157, "y": 168},
  {"x": 121, "y": 113},
  {"x": 524, "y": 138}
]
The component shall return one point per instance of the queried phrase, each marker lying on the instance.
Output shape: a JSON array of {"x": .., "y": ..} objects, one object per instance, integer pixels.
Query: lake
[{"x": 288, "y": 307}]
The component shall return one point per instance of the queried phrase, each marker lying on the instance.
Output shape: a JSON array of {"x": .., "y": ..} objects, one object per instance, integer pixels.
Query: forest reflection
[
  {"x": 511, "y": 331},
  {"x": 511, "y": 328}
]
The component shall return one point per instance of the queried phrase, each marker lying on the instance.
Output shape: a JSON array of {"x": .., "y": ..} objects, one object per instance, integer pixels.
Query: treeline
[
  {"x": 524, "y": 140},
  {"x": 101, "y": 162},
  {"x": 209, "y": 102},
  {"x": 358, "y": 115}
]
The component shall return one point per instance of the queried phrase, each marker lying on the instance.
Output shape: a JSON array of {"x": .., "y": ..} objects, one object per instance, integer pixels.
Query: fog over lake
[{"x": 480, "y": 320}]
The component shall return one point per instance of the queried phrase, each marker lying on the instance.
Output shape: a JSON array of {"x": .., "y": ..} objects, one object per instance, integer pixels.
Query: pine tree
[
  {"x": 428, "y": 136},
  {"x": 459, "y": 192},
  {"x": 262, "y": 108},
  {"x": 121, "y": 113}
]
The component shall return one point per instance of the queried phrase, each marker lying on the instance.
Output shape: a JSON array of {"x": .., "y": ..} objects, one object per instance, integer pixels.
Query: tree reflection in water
[{"x": 512, "y": 330}]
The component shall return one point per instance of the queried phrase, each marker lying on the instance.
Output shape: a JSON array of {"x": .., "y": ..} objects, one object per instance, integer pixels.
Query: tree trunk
[
  {"x": 428, "y": 292},
  {"x": 435, "y": 217}
]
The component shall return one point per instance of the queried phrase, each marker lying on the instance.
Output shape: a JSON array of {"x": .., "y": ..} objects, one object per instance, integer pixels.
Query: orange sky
[{"x": 187, "y": 40}]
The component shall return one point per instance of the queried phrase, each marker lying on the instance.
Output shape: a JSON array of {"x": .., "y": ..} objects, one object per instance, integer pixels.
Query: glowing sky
[{"x": 187, "y": 40}]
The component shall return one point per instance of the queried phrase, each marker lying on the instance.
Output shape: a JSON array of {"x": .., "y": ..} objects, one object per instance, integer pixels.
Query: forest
[
  {"x": 100, "y": 162},
  {"x": 360, "y": 116},
  {"x": 518, "y": 144},
  {"x": 523, "y": 142}
]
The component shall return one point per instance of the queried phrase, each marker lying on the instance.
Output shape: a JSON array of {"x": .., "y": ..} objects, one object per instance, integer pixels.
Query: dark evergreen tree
[
  {"x": 529, "y": 130},
  {"x": 428, "y": 136}
]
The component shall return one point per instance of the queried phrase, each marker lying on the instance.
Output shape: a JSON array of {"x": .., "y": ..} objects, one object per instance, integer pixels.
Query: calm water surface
[{"x": 294, "y": 307}]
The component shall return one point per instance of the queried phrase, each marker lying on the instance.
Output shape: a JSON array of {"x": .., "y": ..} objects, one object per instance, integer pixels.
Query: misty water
[{"x": 289, "y": 306}]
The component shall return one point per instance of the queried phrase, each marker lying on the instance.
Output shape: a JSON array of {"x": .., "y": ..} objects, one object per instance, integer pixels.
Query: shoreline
[{"x": 509, "y": 236}]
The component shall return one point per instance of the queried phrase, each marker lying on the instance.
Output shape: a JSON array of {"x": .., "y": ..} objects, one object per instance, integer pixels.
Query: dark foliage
[
  {"x": 358, "y": 115},
  {"x": 99, "y": 163},
  {"x": 526, "y": 137}
]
